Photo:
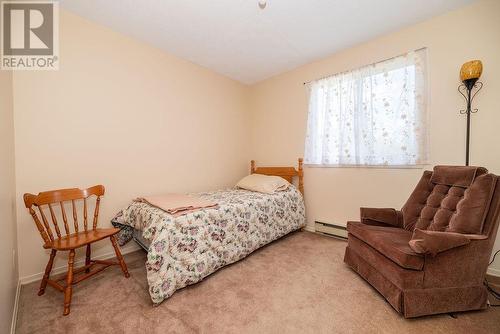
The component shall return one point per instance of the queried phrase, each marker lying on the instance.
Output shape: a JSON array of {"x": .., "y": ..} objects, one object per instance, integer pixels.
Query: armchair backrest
[{"x": 453, "y": 199}]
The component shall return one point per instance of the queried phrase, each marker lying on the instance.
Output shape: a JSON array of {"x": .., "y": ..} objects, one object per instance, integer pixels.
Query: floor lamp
[{"x": 469, "y": 74}]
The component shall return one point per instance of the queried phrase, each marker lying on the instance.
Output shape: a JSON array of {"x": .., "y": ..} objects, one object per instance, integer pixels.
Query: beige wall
[
  {"x": 279, "y": 108},
  {"x": 8, "y": 243},
  {"x": 126, "y": 115}
]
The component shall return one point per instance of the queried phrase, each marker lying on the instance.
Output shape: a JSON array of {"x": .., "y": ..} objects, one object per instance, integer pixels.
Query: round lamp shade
[{"x": 471, "y": 70}]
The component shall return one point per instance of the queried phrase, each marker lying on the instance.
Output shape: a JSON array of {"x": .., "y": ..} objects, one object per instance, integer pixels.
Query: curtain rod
[{"x": 329, "y": 75}]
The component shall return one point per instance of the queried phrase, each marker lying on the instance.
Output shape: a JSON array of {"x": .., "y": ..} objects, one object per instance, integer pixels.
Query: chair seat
[
  {"x": 392, "y": 242},
  {"x": 80, "y": 239}
]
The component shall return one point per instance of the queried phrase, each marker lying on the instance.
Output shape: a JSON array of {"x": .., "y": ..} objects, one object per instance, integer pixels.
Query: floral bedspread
[{"x": 188, "y": 248}]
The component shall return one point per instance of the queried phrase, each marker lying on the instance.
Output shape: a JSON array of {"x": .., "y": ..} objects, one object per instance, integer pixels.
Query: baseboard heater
[{"x": 332, "y": 230}]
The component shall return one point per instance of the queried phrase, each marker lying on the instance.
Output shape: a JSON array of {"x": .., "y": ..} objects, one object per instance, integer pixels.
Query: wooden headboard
[{"x": 288, "y": 173}]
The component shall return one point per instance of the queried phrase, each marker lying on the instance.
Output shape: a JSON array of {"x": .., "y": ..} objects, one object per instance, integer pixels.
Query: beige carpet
[{"x": 298, "y": 284}]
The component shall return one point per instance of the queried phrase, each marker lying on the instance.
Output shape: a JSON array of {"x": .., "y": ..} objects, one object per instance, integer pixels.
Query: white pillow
[{"x": 263, "y": 183}]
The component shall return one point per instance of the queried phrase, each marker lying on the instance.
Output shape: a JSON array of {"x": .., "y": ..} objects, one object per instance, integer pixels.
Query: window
[{"x": 372, "y": 116}]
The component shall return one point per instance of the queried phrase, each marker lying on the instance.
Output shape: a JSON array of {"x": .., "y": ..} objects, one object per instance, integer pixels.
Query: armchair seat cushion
[{"x": 392, "y": 242}]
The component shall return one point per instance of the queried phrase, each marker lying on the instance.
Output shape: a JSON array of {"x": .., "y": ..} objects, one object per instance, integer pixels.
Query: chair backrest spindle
[
  {"x": 85, "y": 214},
  {"x": 39, "y": 225},
  {"x": 65, "y": 218},
  {"x": 54, "y": 221},
  {"x": 75, "y": 216},
  {"x": 96, "y": 212},
  {"x": 46, "y": 223}
]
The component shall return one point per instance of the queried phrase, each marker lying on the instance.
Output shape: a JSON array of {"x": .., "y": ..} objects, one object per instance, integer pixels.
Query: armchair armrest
[
  {"x": 434, "y": 242},
  {"x": 385, "y": 216}
]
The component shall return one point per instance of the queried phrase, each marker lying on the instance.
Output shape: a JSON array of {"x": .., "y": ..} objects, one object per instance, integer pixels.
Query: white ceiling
[{"x": 238, "y": 39}]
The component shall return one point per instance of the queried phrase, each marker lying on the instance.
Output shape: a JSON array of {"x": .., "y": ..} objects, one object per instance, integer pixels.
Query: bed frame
[{"x": 288, "y": 173}]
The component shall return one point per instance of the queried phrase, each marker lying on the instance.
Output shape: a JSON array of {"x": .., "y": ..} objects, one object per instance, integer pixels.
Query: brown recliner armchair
[{"x": 431, "y": 257}]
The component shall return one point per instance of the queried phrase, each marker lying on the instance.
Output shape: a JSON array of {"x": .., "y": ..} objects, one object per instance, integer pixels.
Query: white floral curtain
[{"x": 372, "y": 116}]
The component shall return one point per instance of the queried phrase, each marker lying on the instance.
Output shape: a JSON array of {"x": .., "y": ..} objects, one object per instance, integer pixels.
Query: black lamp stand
[{"x": 469, "y": 89}]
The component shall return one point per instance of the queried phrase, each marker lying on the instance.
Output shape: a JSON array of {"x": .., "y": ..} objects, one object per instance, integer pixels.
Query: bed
[{"x": 183, "y": 250}]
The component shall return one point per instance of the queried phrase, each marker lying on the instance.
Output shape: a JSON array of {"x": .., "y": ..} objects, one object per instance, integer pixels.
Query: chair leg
[
  {"x": 87, "y": 258},
  {"x": 69, "y": 281},
  {"x": 119, "y": 256},
  {"x": 46, "y": 275}
]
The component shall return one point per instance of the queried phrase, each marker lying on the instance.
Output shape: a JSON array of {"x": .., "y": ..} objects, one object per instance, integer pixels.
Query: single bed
[{"x": 183, "y": 250}]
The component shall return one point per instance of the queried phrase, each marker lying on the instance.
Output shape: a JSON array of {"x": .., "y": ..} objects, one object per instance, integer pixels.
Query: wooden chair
[{"x": 46, "y": 203}]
